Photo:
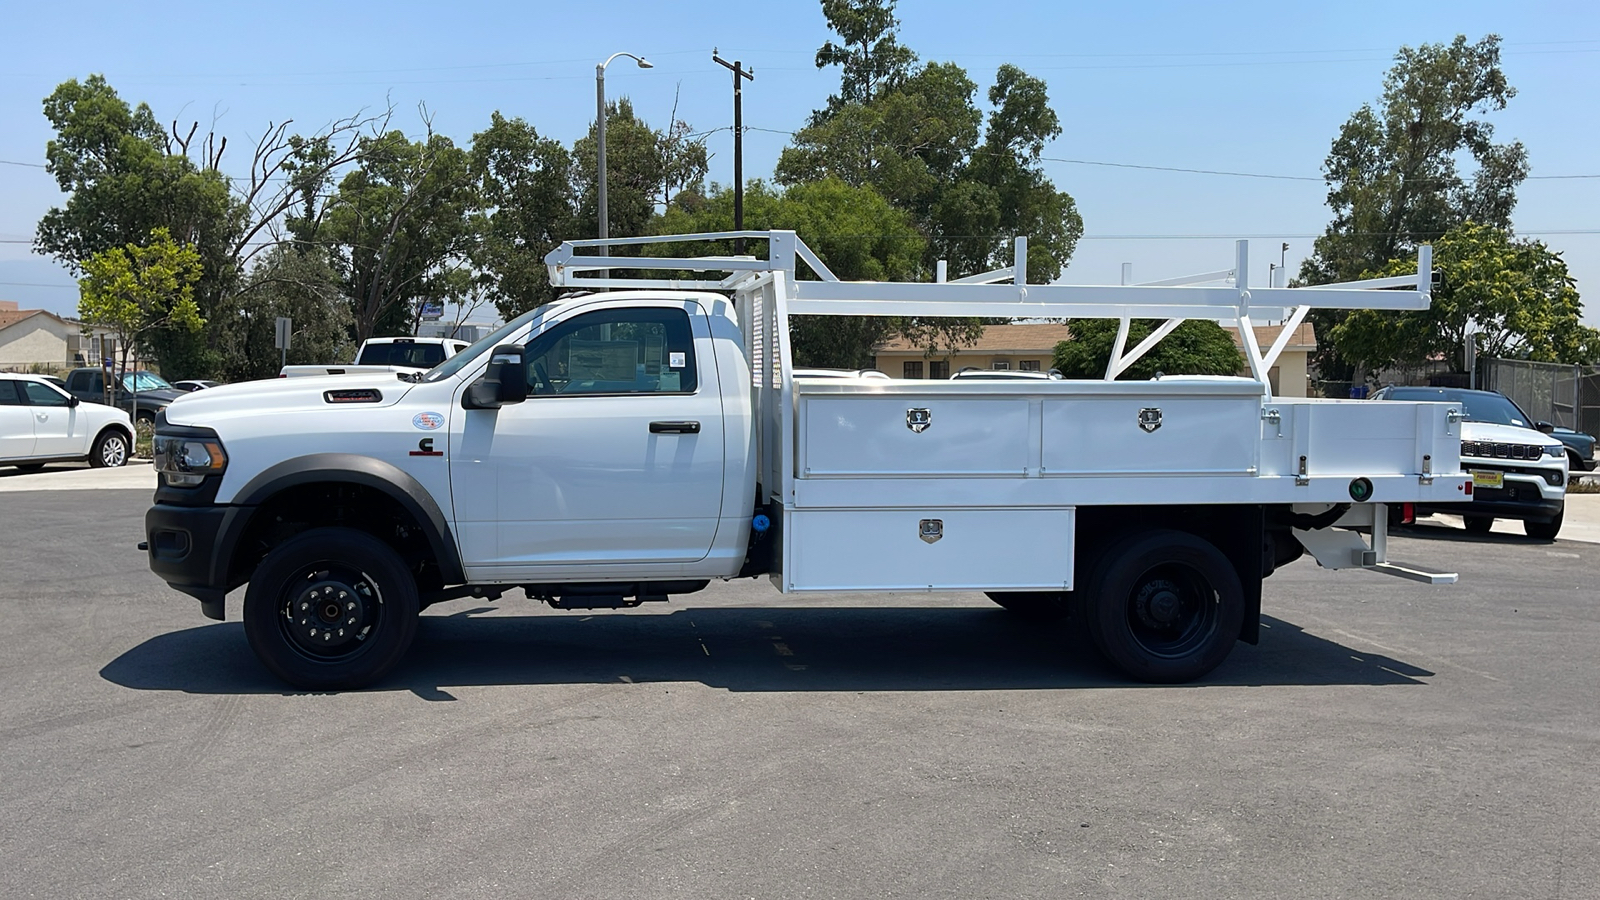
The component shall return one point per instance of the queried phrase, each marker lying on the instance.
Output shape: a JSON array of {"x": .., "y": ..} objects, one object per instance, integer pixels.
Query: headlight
[
  {"x": 186, "y": 461},
  {"x": 1555, "y": 450}
]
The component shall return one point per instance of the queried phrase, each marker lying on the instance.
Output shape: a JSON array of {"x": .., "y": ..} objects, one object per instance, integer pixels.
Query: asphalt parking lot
[{"x": 1386, "y": 739}]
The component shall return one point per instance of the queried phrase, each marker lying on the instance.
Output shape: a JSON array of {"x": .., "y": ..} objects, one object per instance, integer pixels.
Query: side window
[
  {"x": 42, "y": 394},
  {"x": 8, "y": 393},
  {"x": 615, "y": 351}
]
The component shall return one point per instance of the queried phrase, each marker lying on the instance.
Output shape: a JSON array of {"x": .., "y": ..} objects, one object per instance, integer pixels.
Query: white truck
[
  {"x": 386, "y": 355},
  {"x": 624, "y": 446}
]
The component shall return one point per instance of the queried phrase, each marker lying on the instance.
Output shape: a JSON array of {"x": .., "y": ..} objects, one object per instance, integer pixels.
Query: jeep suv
[{"x": 1518, "y": 471}]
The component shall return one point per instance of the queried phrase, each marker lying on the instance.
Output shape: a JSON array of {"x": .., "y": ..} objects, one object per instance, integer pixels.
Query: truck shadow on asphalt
[{"x": 752, "y": 649}]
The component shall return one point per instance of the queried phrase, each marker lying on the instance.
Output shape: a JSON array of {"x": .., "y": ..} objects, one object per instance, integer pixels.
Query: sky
[{"x": 1144, "y": 90}]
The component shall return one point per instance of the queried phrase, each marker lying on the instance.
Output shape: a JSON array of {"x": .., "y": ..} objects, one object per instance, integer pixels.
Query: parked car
[
  {"x": 1580, "y": 448},
  {"x": 56, "y": 380},
  {"x": 41, "y": 423},
  {"x": 190, "y": 385},
  {"x": 1519, "y": 470},
  {"x": 152, "y": 391}
]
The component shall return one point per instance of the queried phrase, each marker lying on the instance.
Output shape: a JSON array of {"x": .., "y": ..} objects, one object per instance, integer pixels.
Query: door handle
[{"x": 674, "y": 427}]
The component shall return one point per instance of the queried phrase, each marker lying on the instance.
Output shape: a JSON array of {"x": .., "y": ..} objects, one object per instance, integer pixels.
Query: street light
[{"x": 600, "y": 134}]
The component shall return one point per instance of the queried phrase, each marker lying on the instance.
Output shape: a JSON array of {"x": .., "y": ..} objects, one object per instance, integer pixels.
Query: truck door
[{"x": 616, "y": 456}]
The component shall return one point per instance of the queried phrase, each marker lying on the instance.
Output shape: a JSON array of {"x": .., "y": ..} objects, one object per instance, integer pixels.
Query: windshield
[
  {"x": 1476, "y": 406},
  {"x": 144, "y": 381},
  {"x": 456, "y": 363},
  {"x": 402, "y": 353}
]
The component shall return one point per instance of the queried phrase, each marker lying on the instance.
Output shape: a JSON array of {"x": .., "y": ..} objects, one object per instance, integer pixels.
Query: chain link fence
[{"x": 1568, "y": 396}]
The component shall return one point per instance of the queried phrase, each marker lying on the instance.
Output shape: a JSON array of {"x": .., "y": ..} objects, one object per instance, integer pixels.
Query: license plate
[{"x": 1485, "y": 479}]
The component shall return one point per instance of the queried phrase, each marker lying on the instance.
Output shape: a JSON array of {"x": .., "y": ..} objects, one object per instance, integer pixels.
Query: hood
[
  {"x": 274, "y": 395},
  {"x": 1505, "y": 434},
  {"x": 167, "y": 394}
]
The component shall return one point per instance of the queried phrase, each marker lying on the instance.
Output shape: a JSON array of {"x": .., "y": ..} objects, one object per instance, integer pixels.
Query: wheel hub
[
  {"x": 1159, "y": 604},
  {"x": 330, "y": 614}
]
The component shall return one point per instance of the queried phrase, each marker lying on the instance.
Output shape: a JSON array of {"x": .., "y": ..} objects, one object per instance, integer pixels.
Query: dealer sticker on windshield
[
  {"x": 427, "y": 421},
  {"x": 1487, "y": 478}
]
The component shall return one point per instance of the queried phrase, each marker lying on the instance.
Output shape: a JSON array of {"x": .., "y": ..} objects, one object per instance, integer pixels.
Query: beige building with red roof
[
  {"x": 39, "y": 339},
  {"x": 1030, "y": 347}
]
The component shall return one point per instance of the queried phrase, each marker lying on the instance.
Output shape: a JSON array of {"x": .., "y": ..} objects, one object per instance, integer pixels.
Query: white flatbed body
[{"x": 1001, "y": 468}]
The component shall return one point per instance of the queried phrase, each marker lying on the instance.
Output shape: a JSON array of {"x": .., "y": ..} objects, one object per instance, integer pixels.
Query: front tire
[
  {"x": 331, "y": 609},
  {"x": 1165, "y": 607},
  {"x": 1544, "y": 531},
  {"x": 1478, "y": 524},
  {"x": 110, "y": 450}
]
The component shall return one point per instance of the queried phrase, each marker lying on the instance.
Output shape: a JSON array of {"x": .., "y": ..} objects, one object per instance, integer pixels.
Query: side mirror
[
  {"x": 504, "y": 382},
  {"x": 73, "y": 401},
  {"x": 1545, "y": 427}
]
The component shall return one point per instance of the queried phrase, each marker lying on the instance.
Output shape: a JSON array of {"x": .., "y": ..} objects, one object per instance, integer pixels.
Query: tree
[
  {"x": 855, "y": 232},
  {"x": 642, "y": 167},
  {"x": 140, "y": 289},
  {"x": 126, "y": 176},
  {"x": 397, "y": 228},
  {"x": 525, "y": 186},
  {"x": 298, "y": 283},
  {"x": 1516, "y": 294},
  {"x": 870, "y": 54},
  {"x": 917, "y": 136},
  {"x": 1197, "y": 347},
  {"x": 1392, "y": 173}
]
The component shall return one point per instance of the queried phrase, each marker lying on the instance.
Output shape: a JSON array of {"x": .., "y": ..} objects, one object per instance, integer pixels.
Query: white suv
[
  {"x": 42, "y": 423},
  {"x": 1518, "y": 470}
]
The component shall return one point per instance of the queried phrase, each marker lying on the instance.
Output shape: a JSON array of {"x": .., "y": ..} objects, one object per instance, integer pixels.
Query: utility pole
[{"x": 738, "y": 142}]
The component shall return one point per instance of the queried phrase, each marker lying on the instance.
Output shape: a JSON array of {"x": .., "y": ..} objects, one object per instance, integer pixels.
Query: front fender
[{"x": 353, "y": 468}]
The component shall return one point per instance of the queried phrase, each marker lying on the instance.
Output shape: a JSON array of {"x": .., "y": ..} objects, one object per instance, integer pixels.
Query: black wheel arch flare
[{"x": 353, "y": 469}]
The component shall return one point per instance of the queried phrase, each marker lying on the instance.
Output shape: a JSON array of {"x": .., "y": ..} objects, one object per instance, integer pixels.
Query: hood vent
[{"x": 359, "y": 395}]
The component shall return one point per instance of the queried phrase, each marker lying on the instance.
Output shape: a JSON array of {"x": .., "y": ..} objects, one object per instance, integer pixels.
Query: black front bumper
[
  {"x": 1526, "y": 504},
  {"x": 189, "y": 549}
]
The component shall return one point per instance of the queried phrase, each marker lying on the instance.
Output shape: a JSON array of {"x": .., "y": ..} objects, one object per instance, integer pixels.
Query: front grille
[{"x": 1493, "y": 450}]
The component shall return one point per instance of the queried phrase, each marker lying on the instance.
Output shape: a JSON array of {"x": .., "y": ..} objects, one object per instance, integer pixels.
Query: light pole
[{"x": 600, "y": 135}]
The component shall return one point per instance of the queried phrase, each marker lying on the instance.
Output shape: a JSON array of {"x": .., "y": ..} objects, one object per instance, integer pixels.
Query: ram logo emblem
[
  {"x": 918, "y": 419},
  {"x": 1150, "y": 419}
]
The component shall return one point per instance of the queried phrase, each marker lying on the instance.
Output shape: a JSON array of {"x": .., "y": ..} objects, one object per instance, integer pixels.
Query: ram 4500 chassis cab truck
[{"x": 626, "y": 445}]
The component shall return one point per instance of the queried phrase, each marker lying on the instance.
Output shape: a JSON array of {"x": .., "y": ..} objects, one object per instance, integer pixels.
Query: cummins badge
[
  {"x": 918, "y": 420},
  {"x": 1150, "y": 419}
]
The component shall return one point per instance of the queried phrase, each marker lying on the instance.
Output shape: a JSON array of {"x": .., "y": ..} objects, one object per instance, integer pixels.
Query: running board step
[{"x": 1411, "y": 574}]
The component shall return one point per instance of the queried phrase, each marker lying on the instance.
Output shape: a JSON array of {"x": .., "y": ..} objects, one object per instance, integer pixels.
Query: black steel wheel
[
  {"x": 1165, "y": 606},
  {"x": 1544, "y": 531},
  {"x": 331, "y": 609},
  {"x": 1035, "y": 606},
  {"x": 110, "y": 450},
  {"x": 1478, "y": 524}
]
